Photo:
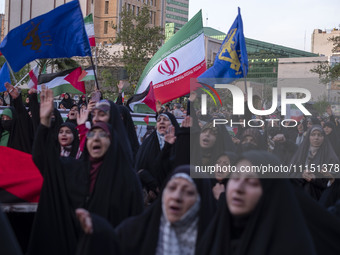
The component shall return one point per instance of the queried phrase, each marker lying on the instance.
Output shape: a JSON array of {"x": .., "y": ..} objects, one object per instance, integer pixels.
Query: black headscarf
[
  {"x": 275, "y": 226},
  {"x": 116, "y": 194},
  {"x": 333, "y": 137},
  {"x": 68, "y": 103},
  {"x": 130, "y": 128},
  {"x": 323, "y": 226},
  {"x": 149, "y": 157},
  {"x": 324, "y": 155},
  {"x": 21, "y": 132},
  {"x": 139, "y": 235},
  {"x": 75, "y": 142}
]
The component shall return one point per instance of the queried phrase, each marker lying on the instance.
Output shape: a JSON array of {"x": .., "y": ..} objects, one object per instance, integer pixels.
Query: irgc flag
[
  {"x": 59, "y": 33},
  {"x": 231, "y": 61},
  {"x": 175, "y": 63}
]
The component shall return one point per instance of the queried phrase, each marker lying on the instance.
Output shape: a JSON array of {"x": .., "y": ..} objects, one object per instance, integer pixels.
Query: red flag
[
  {"x": 34, "y": 73},
  {"x": 150, "y": 99},
  {"x": 20, "y": 179},
  {"x": 146, "y": 119}
]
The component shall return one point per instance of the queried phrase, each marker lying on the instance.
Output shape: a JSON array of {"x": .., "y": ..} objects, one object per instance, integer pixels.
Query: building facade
[
  {"x": 106, "y": 13},
  {"x": 177, "y": 12},
  {"x": 321, "y": 44},
  {"x": 18, "y": 12}
]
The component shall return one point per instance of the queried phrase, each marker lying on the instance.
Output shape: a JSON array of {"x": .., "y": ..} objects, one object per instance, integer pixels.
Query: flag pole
[
  {"x": 21, "y": 80},
  {"x": 95, "y": 75},
  {"x": 11, "y": 71},
  {"x": 245, "y": 81}
]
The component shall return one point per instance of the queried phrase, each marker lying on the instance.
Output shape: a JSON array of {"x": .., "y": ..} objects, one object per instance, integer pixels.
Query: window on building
[
  {"x": 106, "y": 7},
  {"x": 129, "y": 7},
  {"x": 154, "y": 18},
  {"x": 155, "y": 2},
  {"x": 151, "y": 17},
  {"x": 137, "y": 12},
  {"x": 133, "y": 9},
  {"x": 151, "y": 2},
  {"x": 106, "y": 26}
]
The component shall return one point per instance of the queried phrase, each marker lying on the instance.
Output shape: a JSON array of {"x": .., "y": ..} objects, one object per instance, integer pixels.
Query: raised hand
[
  {"x": 83, "y": 116},
  {"x": 46, "y": 106},
  {"x": 187, "y": 122},
  {"x": 170, "y": 137},
  {"x": 85, "y": 220},
  {"x": 12, "y": 90}
]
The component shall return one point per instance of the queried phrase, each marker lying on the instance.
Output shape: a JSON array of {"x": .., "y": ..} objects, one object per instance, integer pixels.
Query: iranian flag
[
  {"x": 63, "y": 82},
  {"x": 175, "y": 63},
  {"x": 33, "y": 74},
  {"x": 89, "y": 27}
]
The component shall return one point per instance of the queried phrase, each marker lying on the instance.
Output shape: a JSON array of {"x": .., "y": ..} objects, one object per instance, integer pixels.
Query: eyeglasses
[{"x": 92, "y": 134}]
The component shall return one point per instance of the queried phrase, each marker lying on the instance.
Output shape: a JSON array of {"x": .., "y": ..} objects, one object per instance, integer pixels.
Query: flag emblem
[
  {"x": 168, "y": 67},
  {"x": 230, "y": 47},
  {"x": 33, "y": 38}
]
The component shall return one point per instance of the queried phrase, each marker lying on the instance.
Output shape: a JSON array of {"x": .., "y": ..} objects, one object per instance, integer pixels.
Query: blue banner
[
  {"x": 4, "y": 77},
  {"x": 59, "y": 33},
  {"x": 231, "y": 61}
]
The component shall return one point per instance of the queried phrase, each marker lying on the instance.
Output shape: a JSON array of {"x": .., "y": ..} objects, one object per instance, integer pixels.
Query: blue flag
[
  {"x": 59, "y": 33},
  {"x": 4, "y": 77},
  {"x": 231, "y": 61}
]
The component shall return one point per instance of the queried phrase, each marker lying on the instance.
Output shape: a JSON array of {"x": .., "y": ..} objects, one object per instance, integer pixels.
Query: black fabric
[
  {"x": 154, "y": 160},
  {"x": 116, "y": 196},
  {"x": 139, "y": 235},
  {"x": 323, "y": 226},
  {"x": 68, "y": 103},
  {"x": 276, "y": 225},
  {"x": 8, "y": 242},
  {"x": 130, "y": 129},
  {"x": 21, "y": 133},
  {"x": 75, "y": 142},
  {"x": 333, "y": 137},
  {"x": 325, "y": 155},
  {"x": 331, "y": 194}
]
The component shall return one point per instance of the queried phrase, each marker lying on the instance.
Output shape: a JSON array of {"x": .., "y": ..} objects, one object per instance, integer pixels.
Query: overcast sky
[
  {"x": 289, "y": 23},
  {"x": 285, "y": 22}
]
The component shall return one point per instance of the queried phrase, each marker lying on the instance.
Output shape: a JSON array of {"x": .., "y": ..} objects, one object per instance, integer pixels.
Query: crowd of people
[{"x": 104, "y": 193}]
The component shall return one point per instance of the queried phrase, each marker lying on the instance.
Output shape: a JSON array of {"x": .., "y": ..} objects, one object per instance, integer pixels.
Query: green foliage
[
  {"x": 321, "y": 105},
  {"x": 140, "y": 41},
  {"x": 326, "y": 72}
]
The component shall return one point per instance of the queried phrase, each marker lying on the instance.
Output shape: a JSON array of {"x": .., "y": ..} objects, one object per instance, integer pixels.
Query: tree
[
  {"x": 140, "y": 40},
  {"x": 327, "y": 72}
]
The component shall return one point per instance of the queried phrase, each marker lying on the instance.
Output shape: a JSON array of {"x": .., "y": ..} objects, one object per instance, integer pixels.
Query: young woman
[
  {"x": 172, "y": 225},
  {"x": 68, "y": 140},
  {"x": 257, "y": 216}
]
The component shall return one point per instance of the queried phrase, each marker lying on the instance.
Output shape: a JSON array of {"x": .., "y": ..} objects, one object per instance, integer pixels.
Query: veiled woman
[
  {"x": 174, "y": 224},
  {"x": 257, "y": 216},
  {"x": 102, "y": 182},
  {"x": 313, "y": 154}
]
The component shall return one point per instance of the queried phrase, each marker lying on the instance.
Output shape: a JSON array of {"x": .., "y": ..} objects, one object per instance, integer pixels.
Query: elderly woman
[
  {"x": 172, "y": 225},
  {"x": 257, "y": 216},
  {"x": 101, "y": 182}
]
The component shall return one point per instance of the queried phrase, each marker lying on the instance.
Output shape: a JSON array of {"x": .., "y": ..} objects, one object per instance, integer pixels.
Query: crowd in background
[{"x": 105, "y": 193}]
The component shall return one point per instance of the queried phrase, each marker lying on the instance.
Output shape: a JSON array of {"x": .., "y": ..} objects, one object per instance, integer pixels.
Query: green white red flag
[
  {"x": 181, "y": 58},
  {"x": 89, "y": 27}
]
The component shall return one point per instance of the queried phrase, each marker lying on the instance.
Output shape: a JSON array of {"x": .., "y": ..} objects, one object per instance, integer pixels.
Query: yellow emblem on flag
[{"x": 229, "y": 46}]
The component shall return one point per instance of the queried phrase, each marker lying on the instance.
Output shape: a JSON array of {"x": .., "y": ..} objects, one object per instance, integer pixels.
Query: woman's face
[
  {"x": 222, "y": 164},
  {"x": 65, "y": 136},
  {"x": 179, "y": 196},
  {"x": 207, "y": 139},
  {"x": 98, "y": 142},
  {"x": 327, "y": 130},
  {"x": 243, "y": 191},
  {"x": 163, "y": 124},
  {"x": 66, "y": 96},
  {"x": 316, "y": 138},
  {"x": 98, "y": 115}
]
